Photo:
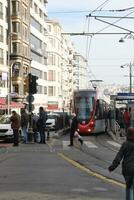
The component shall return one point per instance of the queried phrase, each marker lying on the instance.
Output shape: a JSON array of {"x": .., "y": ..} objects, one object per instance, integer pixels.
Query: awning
[
  {"x": 52, "y": 107},
  {"x": 3, "y": 104}
]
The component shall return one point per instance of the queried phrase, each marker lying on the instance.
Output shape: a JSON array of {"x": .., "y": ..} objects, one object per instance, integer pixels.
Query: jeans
[
  {"x": 16, "y": 136},
  {"x": 130, "y": 190},
  {"x": 42, "y": 135},
  {"x": 25, "y": 134}
]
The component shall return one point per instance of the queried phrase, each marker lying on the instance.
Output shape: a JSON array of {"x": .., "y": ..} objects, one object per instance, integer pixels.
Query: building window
[
  {"x": 51, "y": 75},
  {"x": 45, "y": 75},
  {"x": 36, "y": 57},
  {"x": 1, "y": 56},
  {"x": 15, "y": 7},
  {"x": 24, "y": 10},
  {"x": 36, "y": 43},
  {"x": 1, "y": 34},
  {"x": 36, "y": 24},
  {"x": 51, "y": 59},
  {"x": 15, "y": 47},
  {"x": 36, "y": 72},
  {"x": 39, "y": 89},
  {"x": 35, "y": 8},
  {"x": 51, "y": 91},
  {"x": 3, "y": 79},
  {"x": 16, "y": 27},
  {"x": 31, "y": 3},
  {"x": 25, "y": 33},
  {"x": 1, "y": 10},
  {"x": 45, "y": 90},
  {"x": 49, "y": 28},
  {"x": 16, "y": 88},
  {"x": 25, "y": 50},
  {"x": 52, "y": 42},
  {"x": 40, "y": 13}
]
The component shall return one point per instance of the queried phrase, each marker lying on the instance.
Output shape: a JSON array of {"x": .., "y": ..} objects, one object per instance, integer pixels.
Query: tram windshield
[{"x": 84, "y": 105}]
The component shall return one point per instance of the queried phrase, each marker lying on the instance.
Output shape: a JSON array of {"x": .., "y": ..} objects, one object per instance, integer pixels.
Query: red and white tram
[{"x": 91, "y": 111}]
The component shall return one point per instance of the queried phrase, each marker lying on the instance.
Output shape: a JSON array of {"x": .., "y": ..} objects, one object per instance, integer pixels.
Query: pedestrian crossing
[{"x": 91, "y": 144}]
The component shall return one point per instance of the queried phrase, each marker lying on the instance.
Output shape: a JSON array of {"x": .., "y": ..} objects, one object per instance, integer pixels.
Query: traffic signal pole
[
  {"x": 32, "y": 89},
  {"x": 30, "y": 130}
]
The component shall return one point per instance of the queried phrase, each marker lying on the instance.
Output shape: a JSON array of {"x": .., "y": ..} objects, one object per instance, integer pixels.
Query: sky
[{"x": 104, "y": 52}]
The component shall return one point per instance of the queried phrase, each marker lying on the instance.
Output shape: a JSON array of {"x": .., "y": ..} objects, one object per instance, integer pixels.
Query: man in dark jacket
[
  {"x": 126, "y": 154},
  {"x": 74, "y": 126},
  {"x": 42, "y": 124},
  {"x": 24, "y": 124},
  {"x": 15, "y": 125}
]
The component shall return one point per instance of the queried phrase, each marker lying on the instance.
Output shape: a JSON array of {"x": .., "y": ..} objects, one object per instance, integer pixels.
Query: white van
[{"x": 5, "y": 128}]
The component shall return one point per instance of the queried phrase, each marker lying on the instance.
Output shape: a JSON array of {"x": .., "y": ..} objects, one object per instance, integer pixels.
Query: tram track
[{"x": 96, "y": 166}]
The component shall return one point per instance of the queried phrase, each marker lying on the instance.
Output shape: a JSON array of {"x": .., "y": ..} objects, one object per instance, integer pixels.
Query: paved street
[{"x": 37, "y": 171}]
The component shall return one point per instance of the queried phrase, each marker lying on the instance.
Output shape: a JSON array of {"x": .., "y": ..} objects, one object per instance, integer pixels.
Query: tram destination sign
[{"x": 125, "y": 96}]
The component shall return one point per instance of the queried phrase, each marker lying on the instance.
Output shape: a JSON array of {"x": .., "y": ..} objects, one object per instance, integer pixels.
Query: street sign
[
  {"x": 30, "y": 98},
  {"x": 125, "y": 96},
  {"x": 32, "y": 107}
]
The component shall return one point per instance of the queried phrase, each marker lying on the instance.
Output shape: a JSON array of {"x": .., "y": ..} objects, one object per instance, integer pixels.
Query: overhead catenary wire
[
  {"x": 113, "y": 24},
  {"x": 89, "y": 40}
]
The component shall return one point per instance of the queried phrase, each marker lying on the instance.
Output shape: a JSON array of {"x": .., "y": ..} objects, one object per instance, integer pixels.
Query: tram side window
[{"x": 100, "y": 109}]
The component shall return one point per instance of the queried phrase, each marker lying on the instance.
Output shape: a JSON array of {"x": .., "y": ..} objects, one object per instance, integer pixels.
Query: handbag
[{"x": 76, "y": 134}]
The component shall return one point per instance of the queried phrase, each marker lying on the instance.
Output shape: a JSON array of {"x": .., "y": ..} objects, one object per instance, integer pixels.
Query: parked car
[
  {"x": 5, "y": 128},
  {"x": 51, "y": 121}
]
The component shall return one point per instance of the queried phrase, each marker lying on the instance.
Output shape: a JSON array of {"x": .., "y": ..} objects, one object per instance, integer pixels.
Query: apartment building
[
  {"x": 19, "y": 45},
  {"x": 3, "y": 50},
  {"x": 60, "y": 63},
  {"x": 37, "y": 45},
  {"x": 38, "y": 42},
  {"x": 80, "y": 72}
]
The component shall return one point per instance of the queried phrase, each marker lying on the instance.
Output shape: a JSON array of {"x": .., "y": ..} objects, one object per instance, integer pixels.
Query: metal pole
[
  {"x": 9, "y": 73},
  {"x": 9, "y": 52},
  {"x": 130, "y": 73}
]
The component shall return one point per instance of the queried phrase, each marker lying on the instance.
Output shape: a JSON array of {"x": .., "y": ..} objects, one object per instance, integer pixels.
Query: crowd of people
[
  {"x": 123, "y": 117},
  {"x": 38, "y": 125}
]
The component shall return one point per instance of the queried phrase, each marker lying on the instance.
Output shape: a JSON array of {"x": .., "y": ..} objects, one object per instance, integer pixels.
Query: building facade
[
  {"x": 38, "y": 44},
  {"x": 19, "y": 45}
]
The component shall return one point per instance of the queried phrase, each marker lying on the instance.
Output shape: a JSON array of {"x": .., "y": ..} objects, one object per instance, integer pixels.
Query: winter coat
[
  {"x": 126, "y": 117},
  {"x": 15, "y": 121},
  {"x": 74, "y": 124},
  {"x": 126, "y": 154},
  {"x": 41, "y": 123},
  {"x": 24, "y": 119}
]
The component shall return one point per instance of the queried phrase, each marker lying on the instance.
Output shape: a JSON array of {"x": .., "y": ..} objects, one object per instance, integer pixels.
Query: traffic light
[
  {"x": 26, "y": 85},
  {"x": 33, "y": 84}
]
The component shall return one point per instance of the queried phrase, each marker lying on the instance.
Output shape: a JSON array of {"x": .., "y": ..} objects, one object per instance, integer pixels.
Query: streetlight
[
  {"x": 130, "y": 65},
  {"x": 128, "y": 36},
  {"x": 95, "y": 83}
]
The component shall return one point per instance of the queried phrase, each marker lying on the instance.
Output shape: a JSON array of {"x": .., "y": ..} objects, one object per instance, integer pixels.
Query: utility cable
[{"x": 113, "y": 24}]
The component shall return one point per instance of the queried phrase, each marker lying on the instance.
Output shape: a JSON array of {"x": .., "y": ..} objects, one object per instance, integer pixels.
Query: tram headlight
[
  {"x": 89, "y": 130},
  {"x": 92, "y": 123}
]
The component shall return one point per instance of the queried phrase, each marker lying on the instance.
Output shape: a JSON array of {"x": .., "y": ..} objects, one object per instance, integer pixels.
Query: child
[{"x": 126, "y": 154}]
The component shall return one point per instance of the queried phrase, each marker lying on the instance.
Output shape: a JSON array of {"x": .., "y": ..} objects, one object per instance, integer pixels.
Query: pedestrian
[
  {"x": 126, "y": 155},
  {"x": 15, "y": 125},
  {"x": 127, "y": 119},
  {"x": 120, "y": 121},
  {"x": 24, "y": 124},
  {"x": 73, "y": 129},
  {"x": 35, "y": 118},
  {"x": 41, "y": 123}
]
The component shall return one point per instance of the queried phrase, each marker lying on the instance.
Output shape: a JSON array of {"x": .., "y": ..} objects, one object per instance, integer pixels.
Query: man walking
[
  {"x": 126, "y": 155},
  {"x": 73, "y": 129}
]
